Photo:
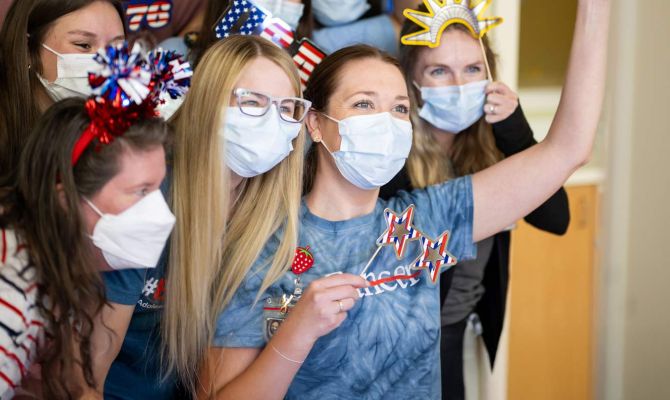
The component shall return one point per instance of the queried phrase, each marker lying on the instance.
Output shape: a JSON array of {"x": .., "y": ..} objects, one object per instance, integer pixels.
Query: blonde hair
[
  {"x": 473, "y": 150},
  {"x": 206, "y": 269}
]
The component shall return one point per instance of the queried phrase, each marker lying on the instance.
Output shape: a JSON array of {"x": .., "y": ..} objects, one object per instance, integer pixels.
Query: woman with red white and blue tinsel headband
[{"x": 87, "y": 199}]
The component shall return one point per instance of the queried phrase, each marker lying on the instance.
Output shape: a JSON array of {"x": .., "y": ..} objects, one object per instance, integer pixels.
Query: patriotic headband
[
  {"x": 441, "y": 14},
  {"x": 243, "y": 17},
  {"x": 130, "y": 84}
]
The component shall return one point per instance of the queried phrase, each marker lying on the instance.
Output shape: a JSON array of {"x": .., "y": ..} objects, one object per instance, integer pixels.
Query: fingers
[
  {"x": 335, "y": 293},
  {"x": 500, "y": 102},
  {"x": 500, "y": 88},
  {"x": 498, "y": 99},
  {"x": 347, "y": 304},
  {"x": 339, "y": 280}
]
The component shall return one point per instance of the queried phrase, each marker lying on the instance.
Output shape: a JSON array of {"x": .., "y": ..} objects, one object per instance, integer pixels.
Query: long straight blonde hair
[{"x": 212, "y": 250}]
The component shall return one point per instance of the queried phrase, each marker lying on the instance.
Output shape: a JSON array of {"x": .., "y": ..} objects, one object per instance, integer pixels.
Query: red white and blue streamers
[
  {"x": 125, "y": 76},
  {"x": 171, "y": 75},
  {"x": 129, "y": 86}
]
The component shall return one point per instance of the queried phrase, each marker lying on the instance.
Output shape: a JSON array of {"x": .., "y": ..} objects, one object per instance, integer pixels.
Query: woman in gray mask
[
  {"x": 46, "y": 52},
  {"x": 466, "y": 121}
]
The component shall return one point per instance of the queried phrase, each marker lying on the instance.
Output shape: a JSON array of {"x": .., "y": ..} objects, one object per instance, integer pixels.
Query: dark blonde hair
[
  {"x": 43, "y": 208},
  {"x": 473, "y": 150}
]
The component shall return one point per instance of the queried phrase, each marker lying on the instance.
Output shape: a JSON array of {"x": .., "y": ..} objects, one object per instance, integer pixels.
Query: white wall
[{"x": 634, "y": 357}]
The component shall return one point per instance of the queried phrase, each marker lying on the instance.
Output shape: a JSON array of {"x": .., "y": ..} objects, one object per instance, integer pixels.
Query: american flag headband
[
  {"x": 243, "y": 17},
  {"x": 129, "y": 85}
]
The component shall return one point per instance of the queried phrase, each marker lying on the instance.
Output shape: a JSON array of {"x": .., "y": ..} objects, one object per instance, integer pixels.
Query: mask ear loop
[
  {"x": 90, "y": 203},
  {"x": 486, "y": 60},
  {"x": 321, "y": 140}
]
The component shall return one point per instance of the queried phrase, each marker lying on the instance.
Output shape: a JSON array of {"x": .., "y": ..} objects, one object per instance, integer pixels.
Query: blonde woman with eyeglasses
[{"x": 236, "y": 181}]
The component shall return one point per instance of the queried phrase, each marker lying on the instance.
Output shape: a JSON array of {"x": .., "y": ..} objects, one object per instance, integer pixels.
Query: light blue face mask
[
  {"x": 338, "y": 12},
  {"x": 373, "y": 150},
  {"x": 287, "y": 11},
  {"x": 453, "y": 108}
]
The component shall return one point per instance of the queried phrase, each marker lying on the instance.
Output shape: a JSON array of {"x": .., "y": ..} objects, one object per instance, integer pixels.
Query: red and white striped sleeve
[{"x": 21, "y": 322}]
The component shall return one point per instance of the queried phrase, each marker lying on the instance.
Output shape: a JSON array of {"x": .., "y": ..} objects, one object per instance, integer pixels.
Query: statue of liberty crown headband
[
  {"x": 443, "y": 13},
  {"x": 130, "y": 84},
  {"x": 243, "y": 17}
]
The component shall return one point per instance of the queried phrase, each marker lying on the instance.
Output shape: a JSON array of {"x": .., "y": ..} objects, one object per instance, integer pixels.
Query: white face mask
[
  {"x": 72, "y": 75},
  {"x": 373, "y": 148},
  {"x": 255, "y": 145},
  {"x": 287, "y": 11},
  {"x": 339, "y": 12},
  {"x": 453, "y": 108},
  {"x": 135, "y": 238}
]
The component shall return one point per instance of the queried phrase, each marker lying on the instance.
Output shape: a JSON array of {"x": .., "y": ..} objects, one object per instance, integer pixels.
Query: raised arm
[
  {"x": 514, "y": 135},
  {"x": 517, "y": 185}
]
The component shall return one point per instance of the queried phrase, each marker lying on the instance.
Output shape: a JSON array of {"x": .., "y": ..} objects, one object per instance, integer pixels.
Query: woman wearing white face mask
[
  {"x": 239, "y": 137},
  {"x": 464, "y": 124},
  {"x": 386, "y": 344},
  {"x": 53, "y": 244},
  {"x": 47, "y": 49}
]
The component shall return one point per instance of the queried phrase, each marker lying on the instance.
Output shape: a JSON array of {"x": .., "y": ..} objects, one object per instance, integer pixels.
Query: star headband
[
  {"x": 441, "y": 14},
  {"x": 130, "y": 84}
]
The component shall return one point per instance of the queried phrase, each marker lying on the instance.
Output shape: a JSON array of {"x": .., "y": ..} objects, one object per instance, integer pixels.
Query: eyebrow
[
  {"x": 371, "y": 94},
  {"x": 82, "y": 33},
  {"x": 365, "y": 92}
]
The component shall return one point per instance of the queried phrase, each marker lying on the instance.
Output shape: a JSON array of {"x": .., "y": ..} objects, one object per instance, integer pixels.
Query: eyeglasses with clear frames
[{"x": 255, "y": 104}]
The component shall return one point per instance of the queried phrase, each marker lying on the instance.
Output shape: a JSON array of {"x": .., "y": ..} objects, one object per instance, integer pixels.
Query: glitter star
[
  {"x": 400, "y": 230},
  {"x": 434, "y": 256}
]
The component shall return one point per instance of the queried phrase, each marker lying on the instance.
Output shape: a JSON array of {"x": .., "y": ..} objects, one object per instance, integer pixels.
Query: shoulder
[
  {"x": 21, "y": 321},
  {"x": 15, "y": 270}
]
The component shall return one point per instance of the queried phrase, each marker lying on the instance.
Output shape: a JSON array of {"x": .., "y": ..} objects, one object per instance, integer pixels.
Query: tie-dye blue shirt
[{"x": 388, "y": 347}]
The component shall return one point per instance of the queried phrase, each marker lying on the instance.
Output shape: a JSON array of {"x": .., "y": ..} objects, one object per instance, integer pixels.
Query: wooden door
[{"x": 551, "y": 349}]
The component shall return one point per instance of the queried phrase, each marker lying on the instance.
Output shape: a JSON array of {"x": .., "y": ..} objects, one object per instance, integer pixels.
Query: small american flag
[
  {"x": 278, "y": 32},
  {"x": 245, "y": 18},
  {"x": 400, "y": 230},
  {"x": 434, "y": 256},
  {"x": 242, "y": 18},
  {"x": 151, "y": 14},
  {"x": 306, "y": 58}
]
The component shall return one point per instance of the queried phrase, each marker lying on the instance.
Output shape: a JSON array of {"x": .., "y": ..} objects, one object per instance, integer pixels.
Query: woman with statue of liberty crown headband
[
  {"x": 465, "y": 121},
  {"x": 347, "y": 338}
]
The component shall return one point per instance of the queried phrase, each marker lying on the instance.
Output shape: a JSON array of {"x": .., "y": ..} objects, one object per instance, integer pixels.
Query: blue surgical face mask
[
  {"x": 373, "y": 149},
  {"x": 287, "y": 11},
  {"x": 338, "y": 12},
  {"x": 453, "y": 108}
]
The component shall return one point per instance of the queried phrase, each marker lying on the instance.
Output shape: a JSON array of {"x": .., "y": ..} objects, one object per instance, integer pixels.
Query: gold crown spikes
[{"x": 441, "y": 14}]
